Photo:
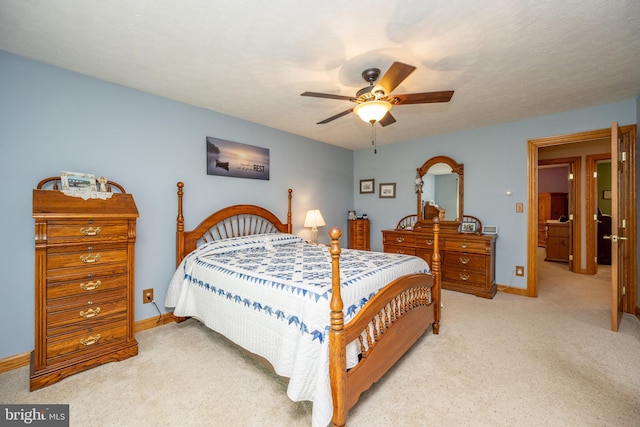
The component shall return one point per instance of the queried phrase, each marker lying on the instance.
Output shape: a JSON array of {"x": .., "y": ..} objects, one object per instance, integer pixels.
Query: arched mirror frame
[{"x": 455, "y": 167}]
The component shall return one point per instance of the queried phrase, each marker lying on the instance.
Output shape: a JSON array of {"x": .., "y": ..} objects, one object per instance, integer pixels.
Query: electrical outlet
[
  {"x": 147, "y": 296},
  {"x": 519, "y": 270}
]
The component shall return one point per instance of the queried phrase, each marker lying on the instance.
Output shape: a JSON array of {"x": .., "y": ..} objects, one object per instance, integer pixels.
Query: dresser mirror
[{"x": 439, "y": 192}]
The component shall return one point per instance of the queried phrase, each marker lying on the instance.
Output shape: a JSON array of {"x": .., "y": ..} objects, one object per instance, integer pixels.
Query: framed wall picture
[
  {"x": 367, "y": 186},
  {"x": 234, "y": 159},
  {"x": 387, "y": 191},
  {"x": 606, "y": 194},
  {"x": 78, "y": 181}
]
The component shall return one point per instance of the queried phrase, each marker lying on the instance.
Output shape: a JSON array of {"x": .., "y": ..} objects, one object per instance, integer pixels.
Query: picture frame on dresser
[
  {"x": 367, "y": 186},
  {"x": 468, "y": 227},
  {"x": 387, "y": 191},
  {"x": 77, "y": 181}
]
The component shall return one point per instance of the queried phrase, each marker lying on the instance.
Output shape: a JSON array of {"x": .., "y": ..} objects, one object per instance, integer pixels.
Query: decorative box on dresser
[
  {"x": 359, "y": 237},
  {"x": 468, "y": 259},
  {"x": 84, "y": 282}
]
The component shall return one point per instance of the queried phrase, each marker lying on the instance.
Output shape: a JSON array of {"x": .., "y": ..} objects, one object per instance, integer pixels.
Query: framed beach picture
[
  {"x": 387, "y": 191},
  {"x": 78, "y": 181},
  {"x": 367, "y": 186},
  {"x": 234, "y": 159}
]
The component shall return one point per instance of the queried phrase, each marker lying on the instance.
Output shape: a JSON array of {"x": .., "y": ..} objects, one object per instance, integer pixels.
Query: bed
[{"x": 333, "y": 321}]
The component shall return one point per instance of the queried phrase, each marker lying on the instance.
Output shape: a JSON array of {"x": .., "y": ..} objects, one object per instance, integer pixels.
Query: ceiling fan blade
[
  {"x": 328, "y": 95},
  {"x": 387, "y": 120},
  {"x": 337, "y": 116},
  {"x": 421, "y": 98},
  {"x": 394, "y": 76}
]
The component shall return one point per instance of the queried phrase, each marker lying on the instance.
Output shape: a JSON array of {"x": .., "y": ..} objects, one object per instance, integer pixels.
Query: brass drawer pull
[
  {"x": 91, "y": 340},
  {"x": 90, "y": 286},
  {"x": 463, "y": 245},
  {"x": 89, "y": 258},
  {"x": 90, "y": 231},
  {"x": 92, "y": 312},
  {"x": 429, "y": 242},
  {"x": 464, "y": 260},
  {"x": 464, "y": 276},
  {"x": 400, "y": 239}
]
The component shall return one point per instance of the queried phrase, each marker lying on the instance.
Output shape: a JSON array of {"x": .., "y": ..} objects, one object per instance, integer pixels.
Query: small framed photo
[
  {"x": 367, "y": 186},
  {"x": 78, "y": 181},
  {"x": 606, "y": 194},
  {"x": 468, "y": 227},
  {"x": 387, "y": 191}
]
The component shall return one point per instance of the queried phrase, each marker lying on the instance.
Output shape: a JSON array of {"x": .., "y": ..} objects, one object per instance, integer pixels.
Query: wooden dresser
[
  {"x": 557, "y": 235},
  {"x": 468, "y": 260},
  {"x": 359, "y": 237},
  {"x": 550, "y": 206},
  {"x": 84, "y": 279}
]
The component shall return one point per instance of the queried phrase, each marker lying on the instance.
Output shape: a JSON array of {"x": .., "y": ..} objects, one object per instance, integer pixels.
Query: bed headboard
[{"x": 232, "y": 221}]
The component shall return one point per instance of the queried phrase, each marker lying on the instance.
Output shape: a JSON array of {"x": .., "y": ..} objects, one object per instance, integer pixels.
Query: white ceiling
[{"x": 506, "y": 59}]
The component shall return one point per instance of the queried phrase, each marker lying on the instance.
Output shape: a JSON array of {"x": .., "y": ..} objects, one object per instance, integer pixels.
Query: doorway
[{"x": 561, "y": 143}]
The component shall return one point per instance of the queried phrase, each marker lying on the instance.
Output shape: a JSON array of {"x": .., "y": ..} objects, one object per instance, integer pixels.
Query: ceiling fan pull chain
[{"x": 373, "y": 137}]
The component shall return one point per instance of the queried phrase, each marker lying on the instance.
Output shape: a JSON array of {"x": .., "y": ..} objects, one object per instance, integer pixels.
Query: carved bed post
[
  {"x": 337, "y": 339},
  {"x": 435, "y": 271},
  {"x": 180, "y": 227},
  {"x": 289, "y": 225},
  {"x": 419, "y": 200}
]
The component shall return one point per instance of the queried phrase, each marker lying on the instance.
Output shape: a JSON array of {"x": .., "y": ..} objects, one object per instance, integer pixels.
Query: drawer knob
[
  {"x": 429, "y": 242},
  {"x": 463, "y": 245},
  {"x": 90, "y": 286},
  {"x": 400, "y": 239},
  {"x": 89, "y": 258},
  {"x": 90, "y": 340},
  {"x": 464, "y": 276},
  {"x": 92, "y": 312},
  {"x": 464, "y": 260},
  {"x": 90, "y": 231}
]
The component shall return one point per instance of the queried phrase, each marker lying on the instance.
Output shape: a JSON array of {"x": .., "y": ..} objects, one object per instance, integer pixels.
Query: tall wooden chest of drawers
[
  {"x": 468, "y": 260},
  {"x": 84, "y": 279},
  {"x": 359, "y": 237}
]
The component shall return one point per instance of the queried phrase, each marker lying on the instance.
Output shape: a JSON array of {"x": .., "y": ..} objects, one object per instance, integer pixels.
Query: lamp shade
[
  {"x": 314, "y": 218},
  {"x": 372, "y": 111}
]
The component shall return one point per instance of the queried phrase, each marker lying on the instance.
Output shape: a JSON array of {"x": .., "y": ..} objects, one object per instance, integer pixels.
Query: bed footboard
[{"x": 385, "y": 328}]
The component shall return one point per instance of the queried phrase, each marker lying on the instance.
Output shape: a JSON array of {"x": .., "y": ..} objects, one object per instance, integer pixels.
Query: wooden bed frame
[{"x": 387, "y": 326}]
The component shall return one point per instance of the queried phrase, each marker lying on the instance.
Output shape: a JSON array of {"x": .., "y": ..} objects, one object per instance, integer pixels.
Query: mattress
[{"x": 270, "y": 294}]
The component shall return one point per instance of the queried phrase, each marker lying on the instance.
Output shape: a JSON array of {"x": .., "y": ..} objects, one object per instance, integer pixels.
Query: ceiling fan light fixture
[{"x": 372, "y": 111}]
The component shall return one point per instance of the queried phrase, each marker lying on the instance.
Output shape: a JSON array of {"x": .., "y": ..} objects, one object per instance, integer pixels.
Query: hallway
[{"x": 587, "y": 296}]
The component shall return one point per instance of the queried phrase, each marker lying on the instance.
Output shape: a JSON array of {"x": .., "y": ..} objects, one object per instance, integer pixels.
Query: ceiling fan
[{"x": 374, "y": 102}]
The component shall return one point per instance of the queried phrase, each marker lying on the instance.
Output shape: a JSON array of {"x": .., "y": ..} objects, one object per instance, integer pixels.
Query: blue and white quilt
[{"x": 270, "y": 294}]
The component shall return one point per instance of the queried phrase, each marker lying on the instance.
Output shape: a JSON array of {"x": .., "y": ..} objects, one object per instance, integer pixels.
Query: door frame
[
  {"x": 591, "y": 213},
  {"x": 574, "y": 199},
  {"x": 532, "y": 213}
]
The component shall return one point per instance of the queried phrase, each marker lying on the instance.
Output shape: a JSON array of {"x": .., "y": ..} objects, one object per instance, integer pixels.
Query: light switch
[{"x": 519, "y": 207}]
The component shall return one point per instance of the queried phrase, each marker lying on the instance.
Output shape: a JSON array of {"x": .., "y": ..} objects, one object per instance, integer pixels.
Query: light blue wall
[
  {"x": 495, "y": 160},
  {"x": 53, "y": 120}
]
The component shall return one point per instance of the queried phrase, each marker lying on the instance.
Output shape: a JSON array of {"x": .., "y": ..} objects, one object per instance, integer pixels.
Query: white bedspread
[{"x": 270, "y": 294}]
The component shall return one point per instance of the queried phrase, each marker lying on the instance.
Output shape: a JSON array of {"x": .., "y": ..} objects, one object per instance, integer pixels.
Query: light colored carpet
[{"x": 546, "y": 361}]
